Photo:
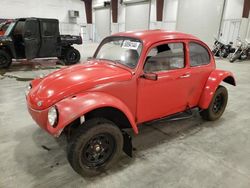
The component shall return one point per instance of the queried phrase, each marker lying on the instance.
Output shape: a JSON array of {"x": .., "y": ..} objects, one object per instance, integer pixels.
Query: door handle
[{"x": 185, "y": 75}]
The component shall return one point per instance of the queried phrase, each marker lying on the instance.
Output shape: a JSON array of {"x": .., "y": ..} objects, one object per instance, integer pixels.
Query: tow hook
[{"x": 127, "y": 145}]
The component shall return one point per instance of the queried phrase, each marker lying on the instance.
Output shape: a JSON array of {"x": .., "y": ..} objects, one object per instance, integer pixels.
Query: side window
[
  {"x": 5, "y": 27},
  {"x": 32, "y": 27},
  {"x": 198, "y": 55},
  {"x": 49, "y": 29},
  {"x": 165, "y": 57},
  {"x": 19, "y": 28}
]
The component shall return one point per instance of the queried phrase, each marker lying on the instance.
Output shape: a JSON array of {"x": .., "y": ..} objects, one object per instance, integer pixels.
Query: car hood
[{"x": 72, "y": 80}]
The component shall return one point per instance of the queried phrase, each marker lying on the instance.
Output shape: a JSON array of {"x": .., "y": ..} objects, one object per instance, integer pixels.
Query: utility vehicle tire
[
  {"x": 95, "y": 147},
  {"x": 5, "y": 59},
  {"x": 71, "y": 56},
  {"x": 217, "y": 105},
  {"x": 61, "y": 58}
]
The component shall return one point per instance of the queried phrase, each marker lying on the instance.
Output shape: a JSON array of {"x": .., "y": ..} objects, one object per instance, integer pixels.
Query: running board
[{"x": 178, "y": 116}]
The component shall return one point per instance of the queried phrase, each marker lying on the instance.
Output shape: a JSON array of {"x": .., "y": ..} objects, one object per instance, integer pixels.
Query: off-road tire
[
  {"x": 85, "y": 133},
  {"x": 210, "y": 114},
  {"x": 71, "y": 56},
  {"x": 5, "y": 59}
]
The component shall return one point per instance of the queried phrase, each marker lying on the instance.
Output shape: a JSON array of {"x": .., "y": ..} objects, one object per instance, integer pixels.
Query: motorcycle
[
  {"x": 242, "y": 51},
  {"x": 222, "y": 50}
]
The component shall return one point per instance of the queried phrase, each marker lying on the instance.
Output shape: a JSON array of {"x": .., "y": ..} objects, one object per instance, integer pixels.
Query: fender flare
[
  {"x": 73, "y": 107},
  {"x": 214, "y": 80}
]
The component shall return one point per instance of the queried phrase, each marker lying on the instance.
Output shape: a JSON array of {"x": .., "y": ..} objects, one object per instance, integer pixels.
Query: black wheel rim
[
  {"x": 98, "y": 150},
  {"x": 218, "y": 103},
  {"x": 3, "y": 60},
  {"x": 72, "y": 56}
]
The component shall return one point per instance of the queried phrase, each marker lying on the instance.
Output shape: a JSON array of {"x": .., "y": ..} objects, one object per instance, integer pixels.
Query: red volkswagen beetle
[{"x": 134, "y": 77}]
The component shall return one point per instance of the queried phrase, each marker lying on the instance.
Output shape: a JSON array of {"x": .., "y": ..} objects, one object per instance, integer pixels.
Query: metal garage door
[
  {"x": 102, "y": 23},
  {"x": 200, "y": 18},
  {"x": 137, "y": 16}
]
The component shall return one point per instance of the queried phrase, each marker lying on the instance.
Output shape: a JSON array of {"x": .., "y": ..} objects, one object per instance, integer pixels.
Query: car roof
[
  {"x": 42, "y": 19},
  {"x": 153, "y": 36}
]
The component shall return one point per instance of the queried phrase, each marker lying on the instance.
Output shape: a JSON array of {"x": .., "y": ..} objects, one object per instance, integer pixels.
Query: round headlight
[
  {"x": 28, "y": 89},
  {"x": 53, "y": 116}
]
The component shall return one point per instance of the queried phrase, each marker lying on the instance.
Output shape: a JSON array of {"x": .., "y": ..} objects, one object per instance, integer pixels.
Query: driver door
[
  {"x": 31, "y": 38},
  {"x": 168, "y": 93}
]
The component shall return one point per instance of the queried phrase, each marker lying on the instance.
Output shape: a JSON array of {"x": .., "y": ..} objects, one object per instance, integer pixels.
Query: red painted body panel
[
  {"x": 73, "y": 107},
  {"x": 214, "y": 80},
  {"x": 79, "y": 89},
  {"x": 151, "y": 37},
  {"x": 72, "y": 80}
]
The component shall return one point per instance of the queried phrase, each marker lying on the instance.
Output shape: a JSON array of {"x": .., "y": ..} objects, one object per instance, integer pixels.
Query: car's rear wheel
[
  {"x": 71, "y": 56},
  {"x": 95, "y": 147},
  {"x": 217, "y": 105},
  {"x": 5, "y": 59}
]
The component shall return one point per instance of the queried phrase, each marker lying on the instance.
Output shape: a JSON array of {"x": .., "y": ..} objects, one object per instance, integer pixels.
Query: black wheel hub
[
  {"x": 72, "y": 56},
  {"x": 3, "y": 60},
  {"x": 218, "y": 103},
  {"x": 98, "y": 150}
]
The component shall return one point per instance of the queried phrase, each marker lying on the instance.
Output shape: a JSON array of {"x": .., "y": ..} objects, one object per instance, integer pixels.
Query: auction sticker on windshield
[{"x": 130, "y": 45}]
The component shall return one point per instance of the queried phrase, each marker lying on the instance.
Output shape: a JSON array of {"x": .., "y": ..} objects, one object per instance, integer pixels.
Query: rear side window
[
  {"x": 198, "y": 55},
  {"x": 49, "y": 29}
]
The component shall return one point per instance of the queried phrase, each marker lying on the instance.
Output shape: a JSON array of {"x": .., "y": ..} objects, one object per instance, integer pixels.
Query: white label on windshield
[{"x": 130, "y": 45}]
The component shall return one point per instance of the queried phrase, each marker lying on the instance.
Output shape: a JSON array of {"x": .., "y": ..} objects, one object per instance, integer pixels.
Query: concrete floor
[{"x": 188, "y": 153}]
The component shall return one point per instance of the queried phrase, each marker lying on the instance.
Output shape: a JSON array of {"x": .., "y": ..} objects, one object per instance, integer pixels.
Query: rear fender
[
  {"x": 214, "y": 80},
  {"x": 76, "y": 106}
]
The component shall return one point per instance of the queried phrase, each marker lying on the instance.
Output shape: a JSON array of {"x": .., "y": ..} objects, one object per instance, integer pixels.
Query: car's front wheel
[
  {"x": 217, "y": 105},
  {"x": 95, "y": 147}
]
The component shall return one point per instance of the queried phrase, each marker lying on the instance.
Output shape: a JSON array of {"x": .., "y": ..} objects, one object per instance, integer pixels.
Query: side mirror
[{"x": 150, "y": 76}]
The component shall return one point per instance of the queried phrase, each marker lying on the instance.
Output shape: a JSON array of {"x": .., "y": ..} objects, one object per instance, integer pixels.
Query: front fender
[
  {"x": 214, "y": 80},
  {"x": 74, "y": 107}
]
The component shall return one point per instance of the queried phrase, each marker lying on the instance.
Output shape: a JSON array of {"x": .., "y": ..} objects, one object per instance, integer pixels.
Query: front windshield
[
  {"x": 122, "y": 50},
  {"x": 7, "y": 32},
  {"x": 1, "y": 25}
]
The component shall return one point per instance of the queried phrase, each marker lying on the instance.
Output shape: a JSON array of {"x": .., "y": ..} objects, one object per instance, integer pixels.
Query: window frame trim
[
  {"x": 185, "y": 48},
  {"x": 42, "y": 29},
  {"x": 202, "y": 45}
]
